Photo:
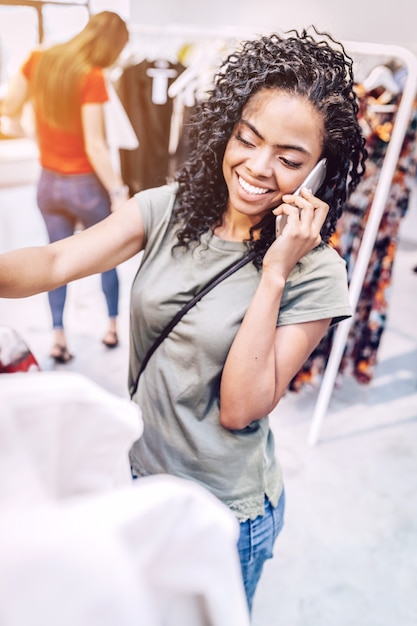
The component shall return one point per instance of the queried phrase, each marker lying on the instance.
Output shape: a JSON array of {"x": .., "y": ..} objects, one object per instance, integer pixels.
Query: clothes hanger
[
  {"x": 382, "y": 77},
  {"x": 203, "y": 60}
]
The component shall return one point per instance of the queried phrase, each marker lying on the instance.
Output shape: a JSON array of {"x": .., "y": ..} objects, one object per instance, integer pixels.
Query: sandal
[
  {"x": 111, "y": 340},
  {"x": 60, "y": 354}
]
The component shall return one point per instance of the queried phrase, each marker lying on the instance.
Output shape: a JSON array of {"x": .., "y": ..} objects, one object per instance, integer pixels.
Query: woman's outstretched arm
[{"x": 28, "y": 271}]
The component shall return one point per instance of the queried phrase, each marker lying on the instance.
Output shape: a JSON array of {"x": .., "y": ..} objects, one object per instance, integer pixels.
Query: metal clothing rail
[
  {"x": 190, "y": 31},
  {"x": 401, "y": 123}
]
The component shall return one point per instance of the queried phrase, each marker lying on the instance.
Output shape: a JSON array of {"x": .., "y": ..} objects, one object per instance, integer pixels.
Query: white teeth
[{"x": 250, "y": 188}]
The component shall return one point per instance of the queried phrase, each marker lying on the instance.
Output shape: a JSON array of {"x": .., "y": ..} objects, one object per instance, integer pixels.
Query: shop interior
[{"x": 345, "y": 431}]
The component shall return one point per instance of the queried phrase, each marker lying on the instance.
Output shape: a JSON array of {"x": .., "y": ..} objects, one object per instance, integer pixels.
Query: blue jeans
[
  {"x": 256, "y": 543},
  {"x": 65, "y": 201}
]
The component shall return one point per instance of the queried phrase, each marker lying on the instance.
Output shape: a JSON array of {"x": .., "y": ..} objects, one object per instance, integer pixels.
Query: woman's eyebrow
[
  {"x": 298, "y": 148},
  {"x": 252, "y": 128}
]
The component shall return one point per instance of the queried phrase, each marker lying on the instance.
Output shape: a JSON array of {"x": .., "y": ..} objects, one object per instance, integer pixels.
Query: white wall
[{"x": 358, "y": 20}]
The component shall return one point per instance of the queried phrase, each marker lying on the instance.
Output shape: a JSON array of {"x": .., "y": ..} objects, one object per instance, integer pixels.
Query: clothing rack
[
  {"x": 166, "y": 41},
  {"x": 402, "y": 120},
  {"x": 191, "y": 31}
]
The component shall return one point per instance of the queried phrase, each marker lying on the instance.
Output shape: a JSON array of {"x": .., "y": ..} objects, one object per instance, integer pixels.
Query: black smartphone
[{"x": 313, "y": 181}]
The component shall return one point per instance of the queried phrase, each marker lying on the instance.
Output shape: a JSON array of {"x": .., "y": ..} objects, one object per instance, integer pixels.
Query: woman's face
[{"x": 273, "y": 147}]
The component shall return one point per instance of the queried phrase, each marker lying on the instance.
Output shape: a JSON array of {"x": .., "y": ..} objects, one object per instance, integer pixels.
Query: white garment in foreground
[
  {"x": 81, "y": 544},
  {"x": 161, "y": 552},
  {"x": 62, "y": 435}
]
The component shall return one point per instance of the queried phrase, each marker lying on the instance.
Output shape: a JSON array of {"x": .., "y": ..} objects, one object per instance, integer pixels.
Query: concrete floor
[{"x": 348, "y": 553}]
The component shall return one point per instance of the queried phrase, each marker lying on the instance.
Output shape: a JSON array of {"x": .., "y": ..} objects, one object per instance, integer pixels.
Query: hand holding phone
[{"x": 313, "y": 182}]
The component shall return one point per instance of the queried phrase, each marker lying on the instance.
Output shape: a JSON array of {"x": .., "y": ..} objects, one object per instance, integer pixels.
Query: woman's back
[{"x": 62, "y": 149}]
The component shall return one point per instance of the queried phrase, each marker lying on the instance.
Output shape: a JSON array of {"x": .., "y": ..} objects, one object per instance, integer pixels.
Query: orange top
[{"x": 62, "y": 151}]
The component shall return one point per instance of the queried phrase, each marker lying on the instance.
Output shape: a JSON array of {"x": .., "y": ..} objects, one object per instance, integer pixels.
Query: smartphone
[{"x": 313, "y": 181}]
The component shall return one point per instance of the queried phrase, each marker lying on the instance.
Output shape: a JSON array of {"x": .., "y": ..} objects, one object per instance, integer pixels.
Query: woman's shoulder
[
  {"x": 156, "y": 203},
  {"x": 323, "y": 261},
  {"x": 31, "y": 60},
  {"x": 162, "y": 196},
  {"x": 316, "y": 288}
]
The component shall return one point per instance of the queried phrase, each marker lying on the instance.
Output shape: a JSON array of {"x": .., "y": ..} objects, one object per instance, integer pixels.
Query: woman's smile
[{"x": 251, "y": 189}]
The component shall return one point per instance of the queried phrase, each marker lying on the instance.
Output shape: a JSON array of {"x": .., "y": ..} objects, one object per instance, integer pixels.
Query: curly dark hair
[{"x": 300, "y": 64}]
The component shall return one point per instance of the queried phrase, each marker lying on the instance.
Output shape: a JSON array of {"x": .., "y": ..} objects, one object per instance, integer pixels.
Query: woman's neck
[{"x": 232, "y": 229}]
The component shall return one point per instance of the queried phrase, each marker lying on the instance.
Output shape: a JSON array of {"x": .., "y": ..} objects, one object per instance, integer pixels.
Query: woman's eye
[
  {"x": 291, "y": 164},
  {"x": 243, "y": 140}
]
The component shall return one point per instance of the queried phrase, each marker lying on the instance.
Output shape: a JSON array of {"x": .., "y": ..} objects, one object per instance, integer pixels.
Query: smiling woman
[{"x": 278, "y": 105}]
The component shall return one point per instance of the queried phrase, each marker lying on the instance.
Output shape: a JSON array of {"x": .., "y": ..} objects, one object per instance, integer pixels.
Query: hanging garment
[
  {"x": 143, "y": 90},
  {"x": 119, "y": 131},
  {"x": 377, "y": 117}
]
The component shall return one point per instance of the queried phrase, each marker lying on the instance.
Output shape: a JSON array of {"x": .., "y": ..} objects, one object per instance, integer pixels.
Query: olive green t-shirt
[{"x": 178, "y": 392}]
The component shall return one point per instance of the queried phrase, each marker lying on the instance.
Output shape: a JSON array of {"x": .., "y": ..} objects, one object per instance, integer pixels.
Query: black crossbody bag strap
[{"x": 213, "y": 283}]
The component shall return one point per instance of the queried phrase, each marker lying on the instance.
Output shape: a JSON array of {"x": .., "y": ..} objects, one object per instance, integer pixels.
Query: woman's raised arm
[{"x": 27, "y": 271}]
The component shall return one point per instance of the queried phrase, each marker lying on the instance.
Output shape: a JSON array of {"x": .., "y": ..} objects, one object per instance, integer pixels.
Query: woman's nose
[{"x": 259, "y": 164}]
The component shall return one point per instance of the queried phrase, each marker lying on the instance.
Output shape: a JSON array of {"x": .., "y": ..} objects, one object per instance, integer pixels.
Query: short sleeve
[
  {"x": 317, "y": 288},
  {"x": 156, "y": 206},
  {"x": 28, "y": 66},
  {"x": 94, "y": 88}
]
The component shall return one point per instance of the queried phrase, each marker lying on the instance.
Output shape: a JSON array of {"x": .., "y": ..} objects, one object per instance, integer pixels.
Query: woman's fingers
[{"x": 305, "y": 209}]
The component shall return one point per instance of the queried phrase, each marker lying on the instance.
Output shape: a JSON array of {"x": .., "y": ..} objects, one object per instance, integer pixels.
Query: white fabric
[
  {"x": 81, "y": 544},
  {"x": 119, "y": 130},
  {"x": 161, "y": 552},
  {"x": 53, "y": 573},
  {"x": 62, "y": 435}
]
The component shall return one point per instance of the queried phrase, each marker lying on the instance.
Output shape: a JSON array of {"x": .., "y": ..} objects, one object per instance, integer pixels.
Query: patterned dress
[{"x": 377, "y": 118}]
